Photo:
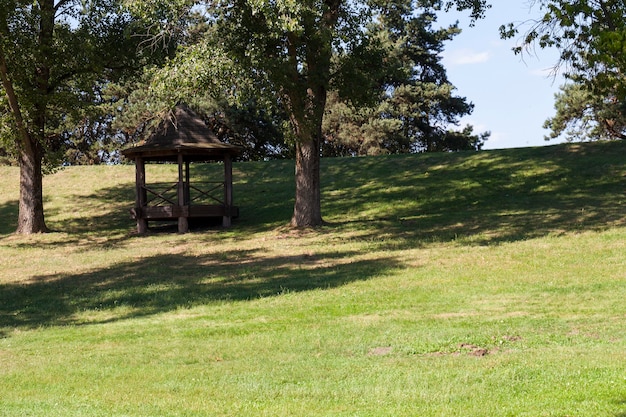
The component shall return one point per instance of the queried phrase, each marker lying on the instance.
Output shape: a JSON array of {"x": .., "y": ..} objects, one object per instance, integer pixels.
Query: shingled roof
[{"x": 182, "y": 132}]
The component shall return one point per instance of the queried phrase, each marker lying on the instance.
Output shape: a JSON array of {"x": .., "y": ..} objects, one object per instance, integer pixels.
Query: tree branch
[
  {"x": 61, "y": 4},
  {"x": 24, "y": 136},
  {"x": 608, "y": 18}
]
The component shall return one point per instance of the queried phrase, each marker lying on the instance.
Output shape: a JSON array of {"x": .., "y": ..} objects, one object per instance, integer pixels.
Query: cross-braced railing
[
  {"x": 213, "y": 192},
  {"x": 196, "y": 193}
]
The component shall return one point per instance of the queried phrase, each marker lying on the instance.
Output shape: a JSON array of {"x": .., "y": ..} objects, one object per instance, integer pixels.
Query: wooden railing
[
  {"x": 196, "y": 193},
  {"x": 159, "y": 194},
  {"x": 208, "y": 195}
]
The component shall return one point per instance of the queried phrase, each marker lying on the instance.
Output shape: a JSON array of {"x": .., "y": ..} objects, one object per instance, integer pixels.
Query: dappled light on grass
[
  {"x": 166, "y": 282},
  {"x": 486, "y": 283},
  {"x": 392, "y": 203},
  {"x": 482, "y": 198}
]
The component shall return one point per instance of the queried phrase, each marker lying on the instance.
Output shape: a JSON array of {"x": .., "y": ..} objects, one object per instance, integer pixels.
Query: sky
[{"x": 512, "y": 95}]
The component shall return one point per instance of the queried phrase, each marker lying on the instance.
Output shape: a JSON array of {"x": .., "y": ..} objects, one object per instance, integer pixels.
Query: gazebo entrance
[{"x": 183, "y": 139}]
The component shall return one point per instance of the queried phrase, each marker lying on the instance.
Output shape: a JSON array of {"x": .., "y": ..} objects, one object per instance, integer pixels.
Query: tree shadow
[
  {"x": 476, "y": 198},
  {"x": 168, "y": 282},
  {"x": 106, "y": 210},
  {"x": 482, "y": 198},
  {"x": 393, "y": 202},
  {"x": 263, "y": 192},
  {"x": 622, "y": 404},
  {"x": 8, "y": 217}
]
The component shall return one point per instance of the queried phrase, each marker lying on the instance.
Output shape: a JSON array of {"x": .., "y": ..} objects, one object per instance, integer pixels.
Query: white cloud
[{"x": 465, "y": 57}]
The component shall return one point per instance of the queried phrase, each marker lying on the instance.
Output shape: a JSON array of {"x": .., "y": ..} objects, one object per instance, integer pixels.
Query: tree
[
  {"x": 295, "y": 51},
  {"x": 304, "y": 49},
  {"x": 54, "y": 56},
  {"x": 591, "y": 38},
  {"x": 583, "y": 115},
  {"x": 410, "y": 121},
  {"x": 252, "y": 125},
  {"x": 414, "y": 102},
  {"x": 590, "y": 35}
]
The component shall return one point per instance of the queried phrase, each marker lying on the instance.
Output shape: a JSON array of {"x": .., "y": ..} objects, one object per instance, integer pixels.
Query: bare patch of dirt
[
  {"x": 474, "y": 350},
  {"x": 380, "y": 351}
]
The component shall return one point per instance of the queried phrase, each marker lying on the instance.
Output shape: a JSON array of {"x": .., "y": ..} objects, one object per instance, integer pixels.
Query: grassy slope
[{"x": 471, "y": 284}]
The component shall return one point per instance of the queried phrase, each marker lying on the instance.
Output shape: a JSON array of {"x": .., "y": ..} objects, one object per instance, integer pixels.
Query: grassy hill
[{"x": 465, "y": 284}]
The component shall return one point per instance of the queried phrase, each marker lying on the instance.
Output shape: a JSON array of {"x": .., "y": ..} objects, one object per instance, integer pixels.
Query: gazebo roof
[{"x": 183, "y": 132}]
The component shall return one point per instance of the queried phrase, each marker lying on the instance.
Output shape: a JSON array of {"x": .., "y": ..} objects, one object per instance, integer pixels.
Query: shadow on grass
[
  {"x": 480, "y": 198},
  {"x": 471, "y": 197},
  {"x": 476, "y": 198},
  {"x": 621, "y": 403},
  {"x": 168, "y": 282},
  {"x": 263, "y": 192},
  {"x": 106, "y": 210},
  {"x": 8, "y": 217},
  {"x": 394, "y": 202}
]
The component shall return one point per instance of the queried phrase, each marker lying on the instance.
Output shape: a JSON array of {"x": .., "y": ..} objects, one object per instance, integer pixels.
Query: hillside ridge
[{"x": 496, "y": 194}]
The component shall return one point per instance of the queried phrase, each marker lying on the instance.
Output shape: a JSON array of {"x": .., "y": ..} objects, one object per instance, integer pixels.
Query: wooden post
[
  {"x": 187, "y": 184},
  {"x": 228, "y": 191},
  {"x": 140, "y": 195},
  {"x": 183, "y": 222}
]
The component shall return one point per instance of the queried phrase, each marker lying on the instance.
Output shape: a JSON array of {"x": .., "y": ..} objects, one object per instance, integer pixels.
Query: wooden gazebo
[{"x": 183, "y": 138}]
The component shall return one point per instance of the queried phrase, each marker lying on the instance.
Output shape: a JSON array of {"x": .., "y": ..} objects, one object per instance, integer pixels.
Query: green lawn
[{"x": 466, "y": 284}]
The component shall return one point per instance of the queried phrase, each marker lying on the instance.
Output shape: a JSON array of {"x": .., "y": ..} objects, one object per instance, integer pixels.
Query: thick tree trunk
[
  {"x": 306, "y": 118},
  {"x": 31, "y": 214},
  {"x": 305, "y": 99},
  {"x": 307, "y": 211},
  {"x": 30, "y": 140}
]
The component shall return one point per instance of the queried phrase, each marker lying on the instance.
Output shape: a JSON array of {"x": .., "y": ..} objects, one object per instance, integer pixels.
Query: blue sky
[{"x": 512, "y": 95}]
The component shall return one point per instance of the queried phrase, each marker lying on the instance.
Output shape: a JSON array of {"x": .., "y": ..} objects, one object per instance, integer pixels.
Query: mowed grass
[{"x": 470, "y": 284}]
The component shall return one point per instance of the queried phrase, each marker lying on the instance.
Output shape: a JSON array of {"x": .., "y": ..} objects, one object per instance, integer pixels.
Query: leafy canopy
[
  {"x": 591, "y": 39},
  {"x": 590, "y": 35},
  {"x": 372, "y": 55},
  {"x": 60, "y": 57}
]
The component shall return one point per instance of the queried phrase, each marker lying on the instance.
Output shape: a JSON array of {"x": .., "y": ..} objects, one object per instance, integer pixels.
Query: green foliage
[
  {"x": 263, "y": 53},
  {"x": 590, "y": 37},
  {"x": 584, "y": 115},
  {"x": 411, "y": 104},
  {"x": 291, "y": 53},
  {"x": 403, "y": 123},
  {"x": 90, "y": 45},
  {"x": 7, "y": 132},
  {"x": 252, "y": 125}
]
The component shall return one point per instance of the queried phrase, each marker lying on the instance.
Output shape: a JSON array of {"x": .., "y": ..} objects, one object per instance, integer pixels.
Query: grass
[{"x": 470, "y": 284}]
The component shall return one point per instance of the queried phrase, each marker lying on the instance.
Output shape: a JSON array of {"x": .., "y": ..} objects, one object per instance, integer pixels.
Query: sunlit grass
[{"x": 473, "y": 284}]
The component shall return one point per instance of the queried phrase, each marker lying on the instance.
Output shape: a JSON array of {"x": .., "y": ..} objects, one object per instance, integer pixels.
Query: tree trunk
[
  {"x": 30, "y": 141},
  {"x": 307, "y": 211},
  {"x": 306, "y": 118},
  {"x": 308, "y": 80},
  {"x": 31, "y": 214}
]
